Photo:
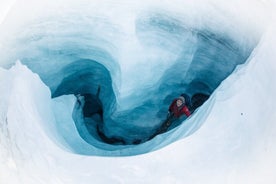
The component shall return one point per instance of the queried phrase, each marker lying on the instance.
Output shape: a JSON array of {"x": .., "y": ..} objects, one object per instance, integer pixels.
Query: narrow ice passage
[
  {"x": 93, "y": 80},
  {"x": 181, "y": 58}
]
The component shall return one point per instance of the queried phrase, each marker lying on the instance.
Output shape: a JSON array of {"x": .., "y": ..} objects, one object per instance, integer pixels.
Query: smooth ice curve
[{"x": 87, "y": 65}]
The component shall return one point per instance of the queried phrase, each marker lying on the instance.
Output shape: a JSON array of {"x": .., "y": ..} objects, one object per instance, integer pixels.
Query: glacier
[{"x": 142, "y": 55}]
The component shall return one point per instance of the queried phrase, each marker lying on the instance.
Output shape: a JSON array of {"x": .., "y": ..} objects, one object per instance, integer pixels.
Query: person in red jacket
[{"x": 178, "y": 108}]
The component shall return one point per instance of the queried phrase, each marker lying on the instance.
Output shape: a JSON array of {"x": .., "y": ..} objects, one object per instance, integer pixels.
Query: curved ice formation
[
  {"x": 174, "y": 58},
  {"x": 140, "y": 59}
]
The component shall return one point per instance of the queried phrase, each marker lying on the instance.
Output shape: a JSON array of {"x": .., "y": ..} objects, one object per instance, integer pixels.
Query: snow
[{"x": 230, "y": 139}]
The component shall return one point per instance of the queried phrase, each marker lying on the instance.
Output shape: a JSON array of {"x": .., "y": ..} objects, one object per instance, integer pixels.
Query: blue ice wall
[{"x": 74, "y": 55}]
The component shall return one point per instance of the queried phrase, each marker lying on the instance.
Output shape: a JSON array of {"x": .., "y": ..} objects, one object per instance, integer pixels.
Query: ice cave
[{"x": 86, "y": 84}]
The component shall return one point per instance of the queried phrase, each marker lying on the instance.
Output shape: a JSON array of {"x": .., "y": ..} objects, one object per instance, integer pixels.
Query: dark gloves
[{"x": 169, "y": 114}]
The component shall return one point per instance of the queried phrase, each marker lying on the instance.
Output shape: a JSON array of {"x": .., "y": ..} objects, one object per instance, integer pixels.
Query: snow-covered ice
[{"x": 229, "y": 139}]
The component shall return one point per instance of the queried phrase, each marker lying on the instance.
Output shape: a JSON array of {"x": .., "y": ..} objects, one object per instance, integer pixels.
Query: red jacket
[{"x": 178, "y": 111}]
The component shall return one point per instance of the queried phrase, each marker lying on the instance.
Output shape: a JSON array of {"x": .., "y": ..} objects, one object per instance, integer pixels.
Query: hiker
[{"x": 178, "y": 107}]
